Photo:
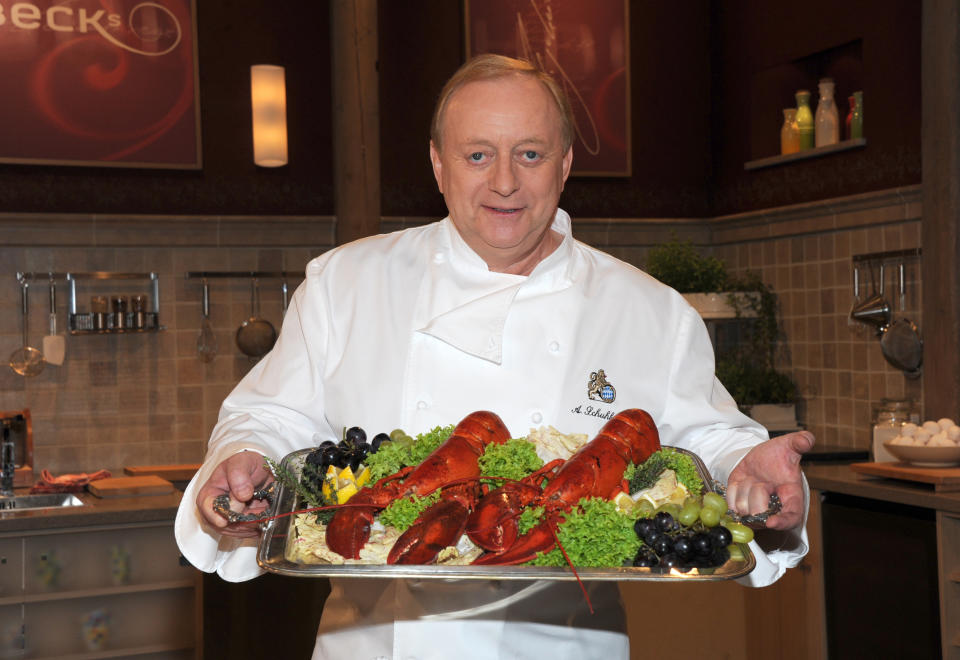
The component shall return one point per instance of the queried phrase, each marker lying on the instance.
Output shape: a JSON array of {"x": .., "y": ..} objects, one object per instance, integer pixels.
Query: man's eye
[
  {"x": 476, "y": 156},
  {"x": 531, "y": 155}
]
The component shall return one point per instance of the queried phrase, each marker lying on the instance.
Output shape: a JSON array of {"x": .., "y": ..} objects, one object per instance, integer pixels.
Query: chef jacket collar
[{"x": 475, "y": 323}]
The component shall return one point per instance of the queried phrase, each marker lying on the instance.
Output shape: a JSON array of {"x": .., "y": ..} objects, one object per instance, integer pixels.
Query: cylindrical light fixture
[{"x": 268, "y": 98}]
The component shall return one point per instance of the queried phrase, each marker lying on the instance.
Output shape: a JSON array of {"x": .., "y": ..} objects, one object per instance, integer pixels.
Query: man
[{"x": 496, "y": 307}]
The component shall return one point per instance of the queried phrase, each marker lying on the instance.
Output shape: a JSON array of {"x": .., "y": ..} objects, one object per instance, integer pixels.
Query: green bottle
[
  {"x": 856, "y": 120},
  {"x": 804, "y": 119}
]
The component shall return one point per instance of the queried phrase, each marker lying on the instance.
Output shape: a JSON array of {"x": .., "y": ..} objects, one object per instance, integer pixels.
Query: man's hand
[
  {"x": 771, "y": 467},
  {"x": 237, "y": 476}
]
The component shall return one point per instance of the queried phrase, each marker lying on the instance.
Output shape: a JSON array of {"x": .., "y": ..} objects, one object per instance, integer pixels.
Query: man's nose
[{"x": 503, "y": 177}]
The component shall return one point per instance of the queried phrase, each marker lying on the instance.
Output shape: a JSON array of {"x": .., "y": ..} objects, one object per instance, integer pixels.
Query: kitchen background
[{"x": 708, "y": 81}]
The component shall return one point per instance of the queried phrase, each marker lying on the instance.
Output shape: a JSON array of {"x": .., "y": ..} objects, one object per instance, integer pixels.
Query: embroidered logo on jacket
[{"x": 599, "y": 389}]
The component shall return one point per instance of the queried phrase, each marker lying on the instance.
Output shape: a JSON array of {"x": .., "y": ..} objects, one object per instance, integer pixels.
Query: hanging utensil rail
[{"x": 243, "y": 274}]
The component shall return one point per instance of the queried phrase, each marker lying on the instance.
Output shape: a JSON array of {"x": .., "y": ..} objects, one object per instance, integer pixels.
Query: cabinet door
[
  {"x": 11, "y": 631},
  {"x": 101, "y": 558},
  {"x": 115, "y": 623},
  {"x": 11, "y": 567}
]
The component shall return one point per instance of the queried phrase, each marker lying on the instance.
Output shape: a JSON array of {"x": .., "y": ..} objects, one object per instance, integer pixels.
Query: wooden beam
[
  {"x": 356, "y": 118},
  {"x": 940, "y": 138}
]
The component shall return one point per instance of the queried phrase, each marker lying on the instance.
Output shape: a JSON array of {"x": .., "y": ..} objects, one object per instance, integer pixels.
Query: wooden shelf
[{"x": 816, "y": 152}]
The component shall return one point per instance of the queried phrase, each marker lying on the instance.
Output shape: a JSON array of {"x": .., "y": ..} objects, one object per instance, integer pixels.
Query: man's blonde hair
[{"x": 491, "y": 67}]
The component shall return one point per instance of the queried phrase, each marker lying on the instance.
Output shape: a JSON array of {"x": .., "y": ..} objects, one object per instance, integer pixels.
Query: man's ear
[
  {"x": 437, "y": 165},
  {"x": 567, "y": 162}
]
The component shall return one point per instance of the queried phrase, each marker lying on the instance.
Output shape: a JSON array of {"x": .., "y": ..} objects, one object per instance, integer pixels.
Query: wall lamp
[{"x": 268, "y": 99}]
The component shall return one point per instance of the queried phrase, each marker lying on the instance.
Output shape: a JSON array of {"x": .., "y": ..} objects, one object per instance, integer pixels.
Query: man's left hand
[{"x": 771, "y": 467}]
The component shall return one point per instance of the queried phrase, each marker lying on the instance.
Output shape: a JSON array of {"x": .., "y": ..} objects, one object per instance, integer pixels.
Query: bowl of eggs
[{"x": 931, "y": 444}]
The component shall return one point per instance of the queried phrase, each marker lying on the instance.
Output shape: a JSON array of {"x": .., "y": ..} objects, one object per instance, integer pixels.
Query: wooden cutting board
[
  {"x": 942, "y": 479},
  {"x": 129, "y": 486},
  {"x": 179, "y": 472}
]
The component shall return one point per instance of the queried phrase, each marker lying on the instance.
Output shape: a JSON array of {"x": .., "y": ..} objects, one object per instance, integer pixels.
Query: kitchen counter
[
  {"x": 841, "y": 479},
  {"x": 870, "y": 524},
  {"x": 95, "y": 511}
]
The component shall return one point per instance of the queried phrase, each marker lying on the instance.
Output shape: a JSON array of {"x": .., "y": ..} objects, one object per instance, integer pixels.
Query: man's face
[{"x": 501, "y": 169}]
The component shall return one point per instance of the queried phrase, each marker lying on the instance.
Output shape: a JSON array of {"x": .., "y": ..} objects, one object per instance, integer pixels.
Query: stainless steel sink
[{"x": 44, "y": 501}]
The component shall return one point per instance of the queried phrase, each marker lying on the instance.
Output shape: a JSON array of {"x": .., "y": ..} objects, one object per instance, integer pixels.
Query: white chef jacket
[{"x": 412, "y": 330}]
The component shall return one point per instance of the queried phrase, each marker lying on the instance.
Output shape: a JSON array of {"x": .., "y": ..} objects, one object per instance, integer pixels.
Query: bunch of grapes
[
  {"x": 352, "y": 452},
  {"x": 696, "y": 535}
]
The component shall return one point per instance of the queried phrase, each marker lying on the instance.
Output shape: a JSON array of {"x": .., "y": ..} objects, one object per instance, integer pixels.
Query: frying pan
[{"x": 256, "y": 335}]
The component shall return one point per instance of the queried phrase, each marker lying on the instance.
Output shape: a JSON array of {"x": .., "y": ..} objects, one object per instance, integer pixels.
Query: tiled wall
[
  {"x": 136, "y": 399},
  {"x": 146, "y": 398},
  {"x": 805, "y": 252}
]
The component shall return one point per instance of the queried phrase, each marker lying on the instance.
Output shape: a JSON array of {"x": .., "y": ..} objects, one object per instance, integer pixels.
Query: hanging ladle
[
  {"x": 26, "y": 360},
  {"x": 900, "y": 341},
  {"x": 256, "y": 335},
  {"x": 875, "y": 310}
]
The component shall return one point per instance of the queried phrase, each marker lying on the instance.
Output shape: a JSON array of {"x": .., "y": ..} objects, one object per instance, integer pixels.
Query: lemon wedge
[
  {"x": 364, "y": 477},
  {"x": 624, "y": 502},
  {"x": 345, "y": 492}
]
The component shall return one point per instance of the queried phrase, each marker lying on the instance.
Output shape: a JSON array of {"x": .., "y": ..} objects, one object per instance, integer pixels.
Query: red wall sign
[
  {"x": 585, "y": 46},
  {"x": 99, "y": 82}
]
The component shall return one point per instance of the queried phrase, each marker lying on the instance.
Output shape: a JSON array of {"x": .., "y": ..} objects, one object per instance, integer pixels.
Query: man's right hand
[{"x": 237, "y": 476}]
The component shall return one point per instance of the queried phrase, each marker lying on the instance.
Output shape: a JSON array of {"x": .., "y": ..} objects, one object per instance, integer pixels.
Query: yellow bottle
[{"x": 789, "y": 133}]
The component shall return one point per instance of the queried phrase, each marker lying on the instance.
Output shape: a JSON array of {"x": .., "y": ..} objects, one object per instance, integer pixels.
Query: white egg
[
  {"x": 944, "y": 423},
  {"x": 940, "y": 440},
  {"x": 954, "y": 433},
  {"x": 931, "y": 427},
  {"x": 909, "y": 429},
  {"x": 902, "y": 440},
  {"x": 921, "y": 437}
]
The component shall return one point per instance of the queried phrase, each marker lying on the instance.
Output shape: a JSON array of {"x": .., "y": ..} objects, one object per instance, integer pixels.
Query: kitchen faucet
[{"x": 6, "y": 461}]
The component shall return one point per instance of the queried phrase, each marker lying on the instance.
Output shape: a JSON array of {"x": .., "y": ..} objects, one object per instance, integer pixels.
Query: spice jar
[
  {"x": 888, "y": 416},
  {"x": 99, "y": 309},
  {"x": 119, "y": 312},
  {"x": 138, "y": 305}
]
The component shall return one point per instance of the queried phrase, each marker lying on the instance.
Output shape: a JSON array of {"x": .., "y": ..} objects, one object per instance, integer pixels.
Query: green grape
[
  {"x": 690, "y": 512},
  {"x": 396, "y": 434},
  {"x": 740, "y": 532},
  {"x": 715, "y": 501},
  {"x": 710, "y": 517},
  {"x": 644, "y": 509},
  {"x": 736, "y": 554},
  {"x": 671, "y": 508}
]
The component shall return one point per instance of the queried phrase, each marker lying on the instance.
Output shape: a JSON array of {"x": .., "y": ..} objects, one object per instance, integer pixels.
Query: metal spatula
[{"x": 54, "y": 345}]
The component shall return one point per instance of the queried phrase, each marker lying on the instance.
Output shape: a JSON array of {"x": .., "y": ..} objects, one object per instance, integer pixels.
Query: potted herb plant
[{"x": 748, "y": 368}]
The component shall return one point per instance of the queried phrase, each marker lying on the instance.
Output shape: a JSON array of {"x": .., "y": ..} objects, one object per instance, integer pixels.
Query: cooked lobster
[
  {"x": 595, "y": 470},
  {"x": 453, "y": 466}
]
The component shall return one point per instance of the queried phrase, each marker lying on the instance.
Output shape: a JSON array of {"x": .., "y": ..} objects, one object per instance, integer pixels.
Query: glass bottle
[
  {"x": 804, "y": 119},
  {"x": 789, "y": 134},
  {"x": 827, "y": 121},
  {"x": 856, "y": 121},
  {"x": 888, "y": 417}
]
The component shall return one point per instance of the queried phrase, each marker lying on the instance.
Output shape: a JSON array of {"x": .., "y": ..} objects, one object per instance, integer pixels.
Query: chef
[{"x": 496, "y": 307}]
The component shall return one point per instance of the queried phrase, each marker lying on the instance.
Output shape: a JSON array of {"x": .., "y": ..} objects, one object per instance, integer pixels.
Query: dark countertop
[
  {"x": 841, "y": 479},
  {"x": 96, "y": 511}
]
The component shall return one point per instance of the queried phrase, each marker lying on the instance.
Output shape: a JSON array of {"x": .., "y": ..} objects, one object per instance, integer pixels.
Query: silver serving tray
[{"x": 278, "y": 533}]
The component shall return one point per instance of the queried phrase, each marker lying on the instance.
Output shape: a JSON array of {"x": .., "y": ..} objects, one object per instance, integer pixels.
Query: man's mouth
[{"x": 501, "y": 210}]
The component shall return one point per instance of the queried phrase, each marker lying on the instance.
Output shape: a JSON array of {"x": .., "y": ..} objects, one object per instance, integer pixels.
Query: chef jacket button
[
  {"x": 421, "y": 405},
  {"x": 554, "y": 347},
  {"x": 536, "y": 418},
  {"x": 439, "y": 257}
]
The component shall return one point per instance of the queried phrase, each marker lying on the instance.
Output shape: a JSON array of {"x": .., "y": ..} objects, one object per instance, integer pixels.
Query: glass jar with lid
[{"x": 888, "y": 416}]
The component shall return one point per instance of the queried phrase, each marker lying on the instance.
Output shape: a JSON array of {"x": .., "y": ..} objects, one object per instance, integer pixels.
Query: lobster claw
[
  {"x": 537, "y": 540},
  {"x": 439, "y": 526}
]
